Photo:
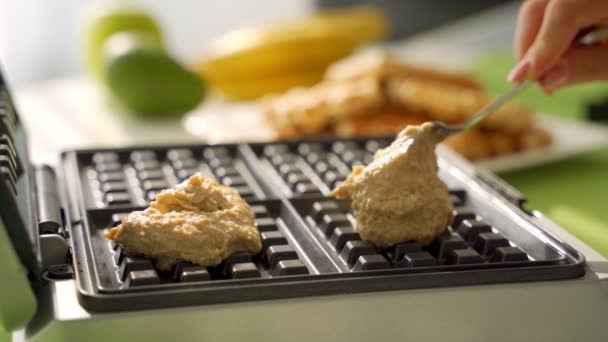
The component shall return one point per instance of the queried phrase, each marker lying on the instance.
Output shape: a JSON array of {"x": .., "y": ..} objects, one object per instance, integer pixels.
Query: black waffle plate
[
  {"x": 125, "y": 178},
  {"x": 310, "y": 244}
]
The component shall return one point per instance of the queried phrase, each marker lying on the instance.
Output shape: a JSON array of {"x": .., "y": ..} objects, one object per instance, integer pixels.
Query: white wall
[{"x": 40, "y": 39}]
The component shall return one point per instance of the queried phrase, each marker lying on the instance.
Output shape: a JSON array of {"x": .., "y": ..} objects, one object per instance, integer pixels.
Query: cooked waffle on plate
[{"x": 375, "y": 94}]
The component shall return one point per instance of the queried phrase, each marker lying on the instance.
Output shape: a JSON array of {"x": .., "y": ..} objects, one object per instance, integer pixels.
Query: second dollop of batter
[
  {"x": 398, "y": 196},
  {"x": 198, "y": 220}
]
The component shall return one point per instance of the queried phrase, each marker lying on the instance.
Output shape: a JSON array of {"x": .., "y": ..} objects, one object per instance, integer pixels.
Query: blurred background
[
  {"x": 145, "y": 70},
  {"x": 41, "y": 40}
]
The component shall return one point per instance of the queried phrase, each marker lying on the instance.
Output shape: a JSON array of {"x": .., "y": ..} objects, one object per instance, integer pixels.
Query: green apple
[{"x": 112, "y": 19}]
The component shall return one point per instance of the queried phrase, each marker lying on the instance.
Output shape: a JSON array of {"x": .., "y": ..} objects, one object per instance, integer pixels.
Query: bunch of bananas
[{"x": 254, "y": 61}]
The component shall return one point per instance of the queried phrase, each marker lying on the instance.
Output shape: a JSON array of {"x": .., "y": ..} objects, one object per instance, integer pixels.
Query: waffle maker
[{"x": 499, "y": 272}]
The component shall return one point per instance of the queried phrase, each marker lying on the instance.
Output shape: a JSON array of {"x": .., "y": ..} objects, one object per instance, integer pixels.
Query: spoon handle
[
  {"x": 492, "y": 106},
  {"x": 596, "y": 35}
]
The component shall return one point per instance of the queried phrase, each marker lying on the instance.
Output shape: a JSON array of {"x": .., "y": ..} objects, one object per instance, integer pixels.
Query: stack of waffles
[{"x": 376, "y": 94}]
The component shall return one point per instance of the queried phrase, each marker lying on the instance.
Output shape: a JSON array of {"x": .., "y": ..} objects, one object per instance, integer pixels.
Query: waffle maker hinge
[{"x": 54, "y": 247}]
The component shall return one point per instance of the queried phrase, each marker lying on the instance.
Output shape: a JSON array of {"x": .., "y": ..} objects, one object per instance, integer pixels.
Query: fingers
[
  {"x": 582, "y": 64},
  {"x": 561, "y": 22},
  {"x": 530, "y": 19},
  {"x": 558, "y": 30}
]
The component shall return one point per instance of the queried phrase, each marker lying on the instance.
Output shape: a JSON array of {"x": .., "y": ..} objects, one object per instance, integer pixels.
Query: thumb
[{"x": 579, "y": 65}]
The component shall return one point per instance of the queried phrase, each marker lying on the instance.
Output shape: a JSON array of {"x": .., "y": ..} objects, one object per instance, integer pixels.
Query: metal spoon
[{"x": 592, "y": 37}]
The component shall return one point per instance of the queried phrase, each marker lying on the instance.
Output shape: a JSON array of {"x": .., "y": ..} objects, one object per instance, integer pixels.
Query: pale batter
[
  {"x": 199, "y": 221},
  {"x": 398, "y": 196}
]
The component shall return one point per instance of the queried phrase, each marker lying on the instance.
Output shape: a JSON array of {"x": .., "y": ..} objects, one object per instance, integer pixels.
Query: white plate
[
  {"x": 569, "y": 139},
  {"x": 223, "y": 122}
]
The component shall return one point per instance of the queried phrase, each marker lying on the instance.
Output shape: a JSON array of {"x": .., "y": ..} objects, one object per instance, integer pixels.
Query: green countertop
[{"x": 571, "y": 192}]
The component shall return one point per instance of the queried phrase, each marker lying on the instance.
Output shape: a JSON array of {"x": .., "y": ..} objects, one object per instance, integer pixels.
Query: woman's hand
[{"x": 543, "y": 43}]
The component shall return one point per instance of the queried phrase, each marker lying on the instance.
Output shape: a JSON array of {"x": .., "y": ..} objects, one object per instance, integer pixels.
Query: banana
[
  {"x": 250, "y": 90},
  {"x": 289, "y": 56},
  {"x": 250, "y": 62}
]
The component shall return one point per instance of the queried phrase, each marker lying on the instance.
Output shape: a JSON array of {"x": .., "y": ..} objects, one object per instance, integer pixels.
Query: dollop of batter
[
  {"x": 198, "y": 220},
  {"x": 398, "y": 196}
]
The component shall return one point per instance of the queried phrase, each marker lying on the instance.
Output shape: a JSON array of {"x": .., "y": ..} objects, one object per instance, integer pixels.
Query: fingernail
[
  {"x": 555, "y": 77},
  {"x": 519, "y": 72}
]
